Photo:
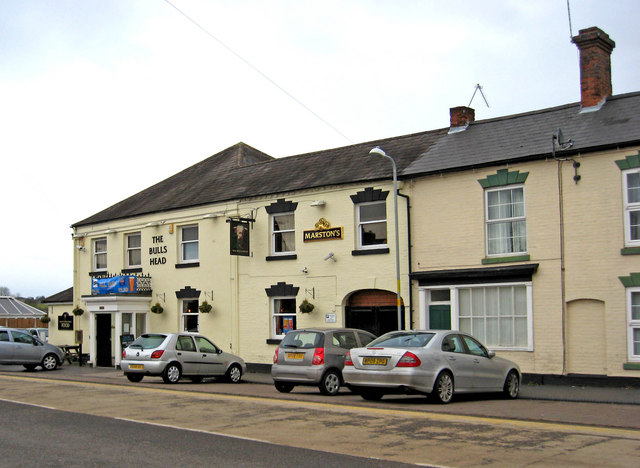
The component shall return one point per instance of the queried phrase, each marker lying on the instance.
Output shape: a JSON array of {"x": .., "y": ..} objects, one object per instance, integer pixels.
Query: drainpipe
[
  {"x": 563, "y": 292},
  {"x": 409, "y": 256}
]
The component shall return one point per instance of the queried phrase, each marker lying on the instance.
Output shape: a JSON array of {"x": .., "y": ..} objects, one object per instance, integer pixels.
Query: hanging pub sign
[
  {"x": 239, "y": 237},
  {"x": 114, "y": 285},
  {"x": 65, "y": 322},
  {"x": 322, "y": 231}
]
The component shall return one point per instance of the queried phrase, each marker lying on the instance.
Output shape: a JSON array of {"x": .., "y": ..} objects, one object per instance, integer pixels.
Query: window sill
[
  {"x": 631, "y": 366},
  {"x": 188, "y": 265},
  {"x": 630, "y": 251},
  {"x": 132, "y": 270},
  {"x": 515, "y": 258},
  {"x": 98, "y": 273},
  {"x": 384, "y": 250},
  {"x": 271, "y": 258},
  {"x": 275, "y": 341}
]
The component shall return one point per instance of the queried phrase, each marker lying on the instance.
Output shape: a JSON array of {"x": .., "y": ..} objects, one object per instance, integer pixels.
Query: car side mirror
[
  {"x": 491, "y": 354},
  {"x": 219, "y": 351}
]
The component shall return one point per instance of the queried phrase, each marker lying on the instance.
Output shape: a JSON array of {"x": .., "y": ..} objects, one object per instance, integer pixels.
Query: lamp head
[{"x": 379, "y": 151}]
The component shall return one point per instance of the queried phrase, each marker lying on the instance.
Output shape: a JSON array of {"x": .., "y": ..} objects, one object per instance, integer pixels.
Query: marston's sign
[
  {"x": 323, "y": 231},
  {"x": 322, "y": 234}
]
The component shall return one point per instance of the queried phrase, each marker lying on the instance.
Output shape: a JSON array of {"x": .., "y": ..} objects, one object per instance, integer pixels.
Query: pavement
[{"x": 607, "y": 391}]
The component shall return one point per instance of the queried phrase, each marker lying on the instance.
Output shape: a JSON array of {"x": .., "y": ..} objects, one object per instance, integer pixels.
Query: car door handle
[
  {"x": 477, "y": 361},
  {"x": 179, "y": 354},
  {"x": 452, "y": 358}
]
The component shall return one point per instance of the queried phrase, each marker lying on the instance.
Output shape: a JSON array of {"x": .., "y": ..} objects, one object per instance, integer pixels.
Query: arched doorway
[{"x": 373, "y": 310}]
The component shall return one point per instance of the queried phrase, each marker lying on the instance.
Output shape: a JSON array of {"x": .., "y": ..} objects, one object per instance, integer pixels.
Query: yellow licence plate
[
  {"x": 136, "y": 366},
  {"x": 295, "y": 355},
  {"x": 375, "y": 361}
]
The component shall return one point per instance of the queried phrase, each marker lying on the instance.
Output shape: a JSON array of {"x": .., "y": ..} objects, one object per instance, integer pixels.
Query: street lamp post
[{"x": 380, "y": 152}]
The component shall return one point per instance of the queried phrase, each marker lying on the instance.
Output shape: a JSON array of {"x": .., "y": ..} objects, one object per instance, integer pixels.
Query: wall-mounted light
[
  {"x": 212, "y": 215},
  {"x": 110, "y": 231},
  {"x": 318, "y": 203},
  {"x": 305, "y": 270},
  {"x": 152, "y": 223},
  {"x": 331, "y": 256}
]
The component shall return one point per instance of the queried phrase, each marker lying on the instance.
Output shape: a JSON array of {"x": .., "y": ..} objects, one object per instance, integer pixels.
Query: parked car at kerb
[
  {"x": 173, "y": 355},
  {"x": 439, "y": 363},
  {"x": 315, "y": 356},
  {"x": 22, "y": 348}
]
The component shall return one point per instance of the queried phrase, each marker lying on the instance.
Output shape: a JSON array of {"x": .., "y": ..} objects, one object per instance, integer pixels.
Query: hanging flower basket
[
  {"x": 306, "y": 307},
  {"x": 205, "y": 307},
  {"x": 77, "y": 311},
  {"x": 45, "y": 319},
  {"x": 157, "y": 308}
]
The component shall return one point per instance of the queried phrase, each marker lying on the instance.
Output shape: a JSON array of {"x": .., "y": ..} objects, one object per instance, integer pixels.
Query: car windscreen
[
  {"x": 303, "y": 339},
  {"x": 148, "y": 341},
  {"x": 402, "y": 340}
]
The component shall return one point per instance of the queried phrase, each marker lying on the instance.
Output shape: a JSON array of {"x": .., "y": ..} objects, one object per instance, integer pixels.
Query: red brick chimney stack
[
  {"x": 595, "y": 65},
  {"x": 461, "y": 116}
]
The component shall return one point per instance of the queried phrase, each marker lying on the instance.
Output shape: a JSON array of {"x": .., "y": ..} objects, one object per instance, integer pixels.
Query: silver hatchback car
[
  {"x": 315, "y": 356},
  {"x": 173, "y": 355},
  {"x": 20, "y": 347}
]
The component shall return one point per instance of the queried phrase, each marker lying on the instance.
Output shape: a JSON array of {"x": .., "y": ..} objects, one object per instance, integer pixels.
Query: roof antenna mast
[
  {"x": 569, "y": 14},
  {"x": 478, "y": 88}
]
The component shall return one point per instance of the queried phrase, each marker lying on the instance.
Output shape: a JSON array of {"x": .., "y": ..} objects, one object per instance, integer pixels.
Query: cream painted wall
[
  {"x": 240, "y": 320},
  {"x": 448, "y": 232}
]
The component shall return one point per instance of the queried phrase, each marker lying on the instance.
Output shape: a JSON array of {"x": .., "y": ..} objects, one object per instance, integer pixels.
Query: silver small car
[
  {"x": 315, "y": 356},
  {"x": 20, "y": 347},
  {"x": 439, "y": 363},
  {"x": 173, "y": 355}
]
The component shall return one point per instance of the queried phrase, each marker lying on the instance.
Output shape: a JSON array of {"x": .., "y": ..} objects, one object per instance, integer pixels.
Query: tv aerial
[{"x": 478, "y": 88}]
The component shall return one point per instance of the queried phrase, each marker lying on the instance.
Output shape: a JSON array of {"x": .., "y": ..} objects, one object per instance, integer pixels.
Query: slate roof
[
  {"x": 528, "y": 136},
  {"x": 60, "y": 297},
  {"x": 242, "y": 171},
  {"x": 10, "y": 307}
]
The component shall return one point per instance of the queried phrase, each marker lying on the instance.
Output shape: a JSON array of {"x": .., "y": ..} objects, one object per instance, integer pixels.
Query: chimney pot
[
  {"x": 595, "y": 65},
  {"x": 461, "y": 116}
]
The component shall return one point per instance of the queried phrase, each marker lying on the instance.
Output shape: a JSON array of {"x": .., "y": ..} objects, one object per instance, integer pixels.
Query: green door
[{"x": 440, "y": 317}]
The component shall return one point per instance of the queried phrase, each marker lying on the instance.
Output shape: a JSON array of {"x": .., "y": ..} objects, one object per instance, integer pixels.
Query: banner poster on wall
[{"x": 239, "y": 237}]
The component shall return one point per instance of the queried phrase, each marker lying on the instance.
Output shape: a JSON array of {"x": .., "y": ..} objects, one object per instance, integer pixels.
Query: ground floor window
[
  {"x": 190, "y": 315},
  {"x": 500, "y": 316},
  {"x": 633, "y": 308},
  {"x": 284, "y": 315}
]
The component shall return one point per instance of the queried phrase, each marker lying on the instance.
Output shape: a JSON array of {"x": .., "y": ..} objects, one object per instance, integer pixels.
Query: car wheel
[
  {"x": 283, "y": 387},
  {"x": 511, "y": 385},
  {"x": 234, "y": 374},
  {"x": 171, "y": 373},
  {"x": 49, "y": 362},
  {"x": 29, "y": 367},
  {"x": 330, "y": 383},
  {"x": 196, "y": 378},
  {"x": 443, "y": 388},
  {"x": 134, "y": 377},
  {"x": 371, "y": 395}
]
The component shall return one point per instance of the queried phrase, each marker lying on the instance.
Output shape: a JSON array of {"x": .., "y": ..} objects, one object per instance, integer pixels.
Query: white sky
[{"x": 103, "y": 98}]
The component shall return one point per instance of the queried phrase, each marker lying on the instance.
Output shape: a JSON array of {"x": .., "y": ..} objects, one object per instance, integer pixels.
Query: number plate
[
  {"x": 375, "y": 361},
  {"x": 136, "y": 366},
  {"x": 297, "y": 356}
]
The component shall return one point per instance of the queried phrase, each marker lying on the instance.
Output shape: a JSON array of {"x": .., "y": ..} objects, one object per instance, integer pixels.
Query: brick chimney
[
  {"x": 595, "y": 65},
  {"x": 461, "y": 116}
]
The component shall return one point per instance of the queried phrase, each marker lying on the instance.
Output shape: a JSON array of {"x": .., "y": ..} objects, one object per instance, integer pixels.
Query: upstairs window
[
  {"x": 371, "y": 221},
  {"x": 134, "y": 250},
  {"x": 283, "y": 232},
  {"x": 632, "y": 207},
  {"x": 506, "y": 222},
  {"x": 372, "y": 224},
  {"x": 189, "y": 244},
  {"x": 100, "y": 254}
]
